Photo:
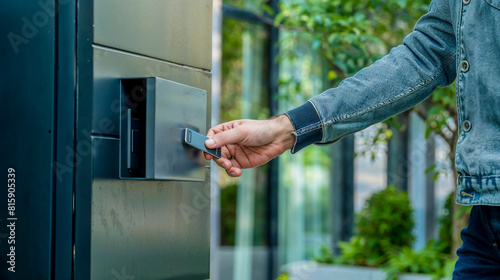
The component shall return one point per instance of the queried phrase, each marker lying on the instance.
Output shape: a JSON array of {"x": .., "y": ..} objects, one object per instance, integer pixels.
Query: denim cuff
[{"x": 307, "y": 124}]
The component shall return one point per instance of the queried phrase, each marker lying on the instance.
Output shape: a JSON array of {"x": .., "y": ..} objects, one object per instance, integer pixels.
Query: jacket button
[
  {"x": 464, "y": 66},
  {"x": 466, "y": 126},
  {"x": 466, "y": 194},
  {"x": 466, "y": 2}
]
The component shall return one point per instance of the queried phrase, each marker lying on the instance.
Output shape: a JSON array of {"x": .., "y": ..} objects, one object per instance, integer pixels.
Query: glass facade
[
  {"x": 244, "y": 94},
  {"x": 303, "y": 216},
  {"x": 370, "y": 167},
  {"x": 304, "y": 180}
]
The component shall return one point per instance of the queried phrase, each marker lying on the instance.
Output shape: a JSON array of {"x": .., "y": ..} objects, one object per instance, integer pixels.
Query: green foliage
[
  {"x": 382, "y": 239},
  {"x": 373, "y": 141},
  {"x": 463, "y": 211},
  {"x": 383, "y": 226},
  {"x": 429, "y": 260},
  {"x": 325, "y": 256},
  {"x": 357, "y": 252},
  {"x": 433, "y": 259},
  {"x": 349, "y": 35},
  {"x": 441, "y": 112},
  {"x": 445, "y": 225},
  {"x": 283, "y": 276},
  {"x": 228, "y": 205},
  {"x": 233, "y": 84},
  {"x": 449, "y": 266},
  {"x": 425, "y": 261},
  {"x": 228, "y": 197},
  {"x": 232, "y": 68}
]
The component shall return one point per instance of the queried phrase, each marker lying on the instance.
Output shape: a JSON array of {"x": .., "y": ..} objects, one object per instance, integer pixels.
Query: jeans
[{"x": 479, "y": 256}]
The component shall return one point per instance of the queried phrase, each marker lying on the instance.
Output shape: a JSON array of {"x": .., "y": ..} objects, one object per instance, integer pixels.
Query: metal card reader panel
[{"x": 151, "y": 130}]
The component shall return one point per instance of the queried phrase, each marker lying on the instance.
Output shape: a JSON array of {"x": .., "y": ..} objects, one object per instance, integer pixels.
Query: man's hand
[{"x": 249, "y": 143}]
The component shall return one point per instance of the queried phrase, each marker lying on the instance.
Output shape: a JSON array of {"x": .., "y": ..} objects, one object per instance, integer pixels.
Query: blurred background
[{"x": 271, "y": 56}]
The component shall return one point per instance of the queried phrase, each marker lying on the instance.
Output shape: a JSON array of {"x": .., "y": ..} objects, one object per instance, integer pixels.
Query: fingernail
[
  {"x": 233, "y": 174},
  {"x": 209, "y": 142}
]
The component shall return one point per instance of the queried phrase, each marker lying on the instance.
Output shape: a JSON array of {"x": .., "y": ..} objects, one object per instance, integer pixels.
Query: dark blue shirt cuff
[{"x": 307, "y": 124}]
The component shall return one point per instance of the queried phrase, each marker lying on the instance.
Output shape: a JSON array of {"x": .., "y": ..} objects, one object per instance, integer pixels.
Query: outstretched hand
[{"x": 249, "y": 143}]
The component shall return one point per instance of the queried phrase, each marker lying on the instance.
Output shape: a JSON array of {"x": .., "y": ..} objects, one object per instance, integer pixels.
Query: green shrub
[
  {"x": 449, "y": 266},
  {"x": 383, "y": 238},
  {"x": 384, "y": 226},
  {"x": 429, "y": 260},
  {"x": 445, "y": 223},
  {"x": 325, "y": 256},
  {"x": 283, "y": 276}
]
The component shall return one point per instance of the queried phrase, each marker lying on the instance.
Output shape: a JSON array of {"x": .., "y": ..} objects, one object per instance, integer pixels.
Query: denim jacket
[{"x": 456, "y": 39}]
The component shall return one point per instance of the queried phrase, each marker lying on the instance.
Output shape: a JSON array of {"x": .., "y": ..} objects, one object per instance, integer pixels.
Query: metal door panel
[
  {"x": 176, "y": 30},
  {"x": 146, "y": 229},
  {"x": 27, "y": 55}
]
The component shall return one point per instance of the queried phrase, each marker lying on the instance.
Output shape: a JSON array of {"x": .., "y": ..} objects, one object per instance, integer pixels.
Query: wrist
[{"x": 284, "y": 129}]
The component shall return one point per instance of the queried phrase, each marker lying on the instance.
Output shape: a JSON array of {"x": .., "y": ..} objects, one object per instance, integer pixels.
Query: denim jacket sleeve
[{"x": 391, "y": 85}]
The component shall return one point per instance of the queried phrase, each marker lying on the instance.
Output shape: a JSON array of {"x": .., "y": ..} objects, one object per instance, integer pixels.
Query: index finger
[
  {"x": 223, "y": 127},
  {"x": 217, "y": 129},
  {"x": 214, "y": 130}
]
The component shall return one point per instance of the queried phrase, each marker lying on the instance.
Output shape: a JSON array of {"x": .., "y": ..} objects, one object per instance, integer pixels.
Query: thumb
[{"x": 224, "y": 138}]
